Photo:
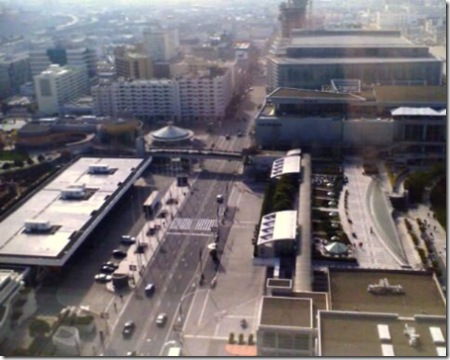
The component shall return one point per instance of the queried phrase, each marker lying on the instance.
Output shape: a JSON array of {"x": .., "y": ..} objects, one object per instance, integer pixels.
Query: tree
[{"x": 39, "y": 327}]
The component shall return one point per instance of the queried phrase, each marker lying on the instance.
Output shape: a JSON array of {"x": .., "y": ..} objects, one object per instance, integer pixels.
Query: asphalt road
[{"x": 176, "y": 271}]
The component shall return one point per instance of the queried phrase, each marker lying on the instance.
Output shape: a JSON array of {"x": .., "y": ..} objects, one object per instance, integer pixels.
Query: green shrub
[
  {"x": 231, "y": 339},
  {"x": 251, "y": 340},
  {"x": 241, "y": 339}
]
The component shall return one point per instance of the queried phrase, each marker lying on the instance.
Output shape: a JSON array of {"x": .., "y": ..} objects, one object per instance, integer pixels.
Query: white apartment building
[
  {"x": 59, "y": 85},
  {"x": 145, "y": 99},
  {"x": 194, "y": 96},
  {"x": 206, "y": 94},
  {"x": 161, "y": 45}
]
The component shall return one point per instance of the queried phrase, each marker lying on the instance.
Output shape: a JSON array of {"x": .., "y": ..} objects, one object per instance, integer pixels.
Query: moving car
[
  {"x": 128, "y": 328},
  {"x": 239, "y": 134},
  {"x": 227, "y": 137},
  {"x": 106, "y": 269},
  {"x": 127, "y": 240},
  {"x": 102, "y": 278},
  {"x": 161, "y": 319},
  {"x": 149, "y": 289}
]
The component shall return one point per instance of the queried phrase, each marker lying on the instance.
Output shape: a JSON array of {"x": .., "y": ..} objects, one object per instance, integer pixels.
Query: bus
[{"x": 152, "y": 203}]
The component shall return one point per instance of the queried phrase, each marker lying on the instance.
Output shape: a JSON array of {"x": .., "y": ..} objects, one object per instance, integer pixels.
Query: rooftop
[
  {"x": 413, "y": 111},
  {"x": 286, "y": 165},
  {"x": 332, "y": 38},
  {"x": 357, "y": 334},
  {"x": 171, "y": 133},
  {"x": 281, "y": 225},
  {"x": 312, "y": 94},
  {"x": 348, "y": 291},
  {"x": 350, "y": 60},
  {"x": 411, "y": 94},
  {"x": 286, "y": 311},
  {"x": 67, "y": 218}
]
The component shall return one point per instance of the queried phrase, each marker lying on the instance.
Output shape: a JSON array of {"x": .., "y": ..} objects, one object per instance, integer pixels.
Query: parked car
[
  {"x": 140, "y": 249},
  {"x": 119, "y": 254},
  {"x": 128, "y": 328},
  {"x": 239, "y": 134},
  {"x": 102, "y": 278},
  {"x": 161, "y": 319},
  {"x": 127, "y": 240},
  {"x": 227, "y": 137}
]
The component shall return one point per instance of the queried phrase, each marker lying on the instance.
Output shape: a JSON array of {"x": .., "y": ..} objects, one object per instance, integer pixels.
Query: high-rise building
[
  {"x": 41, "y": 59},
  {"x": 58, "y": 85},
  {"x": 160, "y": 44},
  {"x": 132, "y": 65},
  {"x": 311, "y": 59},
  {"x": 293, "y": 15},
  {"x": 14, "y": 72}
]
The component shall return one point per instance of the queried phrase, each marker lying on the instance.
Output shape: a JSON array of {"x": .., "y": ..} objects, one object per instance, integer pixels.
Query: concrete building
[
  {"x": 197, "y": 95},
  {"x": 364, "y": 312},
  {"x": 293, "y": 15},
  {"x": 58, "y": 85},
  {"x": 41, "y": 59},
  {"x": 130, "y": 64},
  {"x": 205, "y": 94},
  {"x": 161, "y": 44},
  {"x": 54, "y": 222},
  {"x": 146, "y": 99},
  {"x": 14, "y": 72},
  {"x": 310, "y": 59},
  {"x": 389, "y": 119}
]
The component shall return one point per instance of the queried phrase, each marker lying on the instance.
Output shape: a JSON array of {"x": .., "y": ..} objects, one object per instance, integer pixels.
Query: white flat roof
[
  {"x": 408, "y": 111},
  {"x": 286, "y": 165},
  {"x": 67, "y": 216},
  {"x": 281, "y": 225}
]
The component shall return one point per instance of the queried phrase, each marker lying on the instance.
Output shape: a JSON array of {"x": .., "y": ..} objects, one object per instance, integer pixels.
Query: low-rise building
[
  {"x": 365, "y": 312},
  {"x": 389, "y": 119}
]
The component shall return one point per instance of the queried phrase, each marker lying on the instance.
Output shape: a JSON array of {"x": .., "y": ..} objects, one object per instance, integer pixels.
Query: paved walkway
[{"x": 369, "y": 248}]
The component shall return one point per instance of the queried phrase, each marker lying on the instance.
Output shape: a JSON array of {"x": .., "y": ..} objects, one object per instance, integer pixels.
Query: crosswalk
[{"x": 193, "y": 224}]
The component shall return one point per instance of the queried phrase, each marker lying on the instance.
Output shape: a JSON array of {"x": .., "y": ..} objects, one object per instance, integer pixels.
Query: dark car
[
  {"x": 102, "y": 278},
  {"x": 149, "y": 289},
  {"x": 127, "y": 240},
  {"x": 119, "y": 254},
  {"x": 227, "y": 137},
  {"x": 128, "y": 328},
  {"x": 239, "y": 134}
]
